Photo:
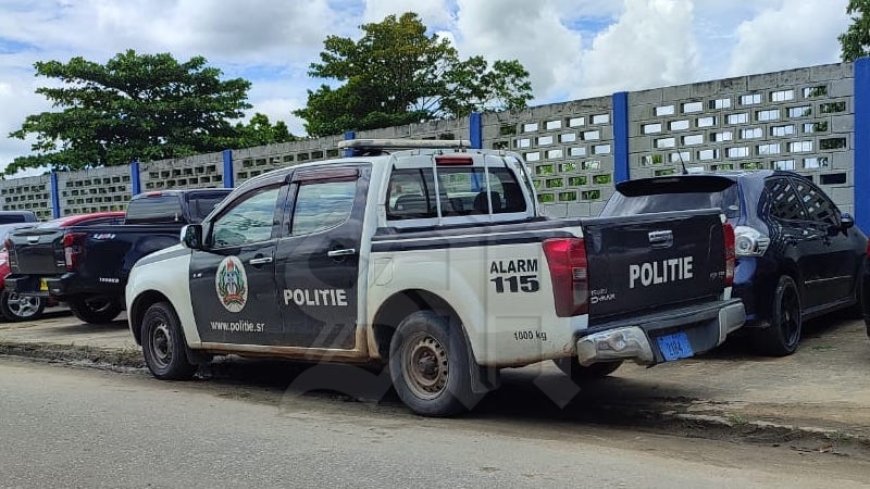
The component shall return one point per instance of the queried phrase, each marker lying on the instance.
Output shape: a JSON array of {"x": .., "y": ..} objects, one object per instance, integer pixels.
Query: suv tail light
[
  {"x": 730, "y": 253},
  {"x": 569, "y": 272},
  {"x": 749, "y": 241},
  {"x": 73, "y": 249}
]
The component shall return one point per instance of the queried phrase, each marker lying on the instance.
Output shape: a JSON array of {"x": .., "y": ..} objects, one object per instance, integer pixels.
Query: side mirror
[
  {"x": 847, "y": 221},
  {"x": 191, "y": 236}
]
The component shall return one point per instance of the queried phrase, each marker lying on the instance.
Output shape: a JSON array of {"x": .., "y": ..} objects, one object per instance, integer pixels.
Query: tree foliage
[
  {"x": 259, "y": 131},
  {"x": 134, "y": 106},
  {"x": 397, "y": 74},
  {"x": 855, "y": 42}
]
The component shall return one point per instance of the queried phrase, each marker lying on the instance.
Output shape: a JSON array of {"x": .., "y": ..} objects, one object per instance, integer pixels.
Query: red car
[{"x": 14, "y": 307}]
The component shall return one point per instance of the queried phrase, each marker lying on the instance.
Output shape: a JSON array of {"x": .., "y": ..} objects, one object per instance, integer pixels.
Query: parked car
[
  {"x": 87, "y": 266},
  {"x": 18, "y": 307},
  {"x": 798, "y": 256},
  {"x": 382, "y": 258},
  {"x": 13, "y": 217}
]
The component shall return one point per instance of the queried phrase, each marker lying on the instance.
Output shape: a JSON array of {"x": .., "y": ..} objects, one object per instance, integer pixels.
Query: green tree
[
  {"x": 135, "y": 106},
  {"x": 259, "y": 131},
  {"x": 855, "y": 42},
  {"x": 397, "y": 74}
]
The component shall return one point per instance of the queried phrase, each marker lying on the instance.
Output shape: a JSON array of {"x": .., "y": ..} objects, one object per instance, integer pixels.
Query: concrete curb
[{"x": 74, "y": 354}]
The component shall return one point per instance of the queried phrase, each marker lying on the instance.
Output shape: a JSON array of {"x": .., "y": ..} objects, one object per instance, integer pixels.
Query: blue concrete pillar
[
  {"x": 861, "y": 164},
  {"x": 475, "y": 130},
  {"x": 348, "y": 135},
  {"x": 135, "y": 178},
  {"x": 55, "y": 195},
  {"x": 621, "y": 170},
  {"x": 229, "y": 173}
]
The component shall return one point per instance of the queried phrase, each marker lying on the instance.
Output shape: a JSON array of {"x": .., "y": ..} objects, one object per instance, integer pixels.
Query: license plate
[
  {"x": 43, "y": 285},
  {"x": 675, "y": 346}
]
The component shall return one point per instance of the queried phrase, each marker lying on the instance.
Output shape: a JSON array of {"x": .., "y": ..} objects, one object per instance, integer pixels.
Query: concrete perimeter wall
[{"x": 802, "y": 120}]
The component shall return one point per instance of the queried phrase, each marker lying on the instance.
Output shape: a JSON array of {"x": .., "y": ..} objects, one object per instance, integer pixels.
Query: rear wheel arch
[{"x": 401, "y": 305}]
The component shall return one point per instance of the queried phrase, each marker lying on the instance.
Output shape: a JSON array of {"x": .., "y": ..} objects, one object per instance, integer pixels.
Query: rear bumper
[
  {"x": 706, "y": 326},
  {"x": 59, "y": 286}
]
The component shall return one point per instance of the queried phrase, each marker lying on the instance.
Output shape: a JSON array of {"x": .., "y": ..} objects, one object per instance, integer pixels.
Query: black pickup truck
[{"x": 87, "y": 266}]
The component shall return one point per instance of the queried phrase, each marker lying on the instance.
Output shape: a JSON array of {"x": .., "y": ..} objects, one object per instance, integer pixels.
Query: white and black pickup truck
[{"x": 431, "y": 258}]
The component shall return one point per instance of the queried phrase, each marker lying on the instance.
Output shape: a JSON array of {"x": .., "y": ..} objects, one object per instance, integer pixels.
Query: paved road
[{"x": 68, "y": 427}]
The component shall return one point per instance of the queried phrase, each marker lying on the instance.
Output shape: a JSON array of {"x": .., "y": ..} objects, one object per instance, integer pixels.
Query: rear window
[
  {"x": 200, "y": 204},
  {"x": 464, "y": 191},
  {"x": 682, "y": 195},
  {"x": 13, "y": 218},
  {"x": 155, "y": 209}
]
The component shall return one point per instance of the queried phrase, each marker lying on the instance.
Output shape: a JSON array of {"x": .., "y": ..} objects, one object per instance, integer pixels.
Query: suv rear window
[
  {"x": 465, "y": 191},
  {"x": 678, "y": 194}
]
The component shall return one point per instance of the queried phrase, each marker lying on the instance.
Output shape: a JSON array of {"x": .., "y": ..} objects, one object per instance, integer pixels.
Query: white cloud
[
  {"x": 789, "y": 35},
  {"x": 435, "y": 13},
  {"x": 572, "y": 48},
  {"x": 650, "y": 44},
  {"x": 531, "y": 32}
]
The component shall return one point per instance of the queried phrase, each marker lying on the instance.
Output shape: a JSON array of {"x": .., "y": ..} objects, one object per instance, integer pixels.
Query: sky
[{"x": 571, "y": 48}]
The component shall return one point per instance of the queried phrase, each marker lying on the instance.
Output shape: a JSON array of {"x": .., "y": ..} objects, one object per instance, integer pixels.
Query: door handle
[
  {"x": 340, "y": 253},
  {"x": 261, "y": 260}
]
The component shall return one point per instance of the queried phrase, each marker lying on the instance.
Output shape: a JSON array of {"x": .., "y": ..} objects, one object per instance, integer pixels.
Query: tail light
[
  {"x": 454, "y": 160},
  {"x": 73, "y": 249},
  {"x": 569, "y": 272},
  {"x": 750, "y": 241},
  {"x": 730, "y": 253}
]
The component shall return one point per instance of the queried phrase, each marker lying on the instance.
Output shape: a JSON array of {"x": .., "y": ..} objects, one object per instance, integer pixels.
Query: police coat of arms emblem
[{"x": 231, "y": 284}]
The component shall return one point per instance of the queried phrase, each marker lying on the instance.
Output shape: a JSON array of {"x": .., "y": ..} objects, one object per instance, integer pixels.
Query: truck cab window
[
  {"x": 322, "y": 205},
  {"x": 464, "y": 191},
  {"x": 248, "y": 221}
]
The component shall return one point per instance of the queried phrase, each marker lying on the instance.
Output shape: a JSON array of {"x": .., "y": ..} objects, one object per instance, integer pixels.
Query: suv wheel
[{"x": 781, "y": 338}]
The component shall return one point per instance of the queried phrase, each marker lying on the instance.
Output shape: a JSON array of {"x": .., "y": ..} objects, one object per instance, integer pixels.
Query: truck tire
[
  {"x": 16, "y": 307},
  {"x": 95, "y": 310},
  {"x": 781, "y": 338},
  {"x": 430, "y": 365},
  {"x": 164, "y": 345},
  {"x": 582, "y": 375}
]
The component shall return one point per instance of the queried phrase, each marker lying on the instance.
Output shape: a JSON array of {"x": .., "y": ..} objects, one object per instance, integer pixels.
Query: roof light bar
[{"x": 405, "y": 143}]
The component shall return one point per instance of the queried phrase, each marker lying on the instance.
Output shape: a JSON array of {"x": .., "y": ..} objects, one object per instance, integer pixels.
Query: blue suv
[{"x": 798, "y": 256}]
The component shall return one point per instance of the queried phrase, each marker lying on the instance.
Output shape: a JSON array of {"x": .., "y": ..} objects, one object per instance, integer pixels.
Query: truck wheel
[
  {"x": 15, "y": 307},
  {"x": 163, "y": 344},
  {"x": 580, "y": 374},
  {"x": 430, "y": 365},
  {"x": 781, "y": 338},
  {"x": 95, "y": 310}
]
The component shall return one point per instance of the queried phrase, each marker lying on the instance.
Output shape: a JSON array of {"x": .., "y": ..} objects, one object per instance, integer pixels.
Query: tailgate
[
  {"x": 641, "y": 263},
  {"x": 37, "y": 252}
]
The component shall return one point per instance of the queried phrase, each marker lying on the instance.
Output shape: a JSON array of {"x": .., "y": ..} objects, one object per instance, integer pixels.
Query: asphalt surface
[{"x": 69, "y": 427}]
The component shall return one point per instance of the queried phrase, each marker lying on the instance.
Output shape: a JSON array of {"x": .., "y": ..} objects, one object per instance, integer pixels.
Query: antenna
[{"x": 683, "y": 163}]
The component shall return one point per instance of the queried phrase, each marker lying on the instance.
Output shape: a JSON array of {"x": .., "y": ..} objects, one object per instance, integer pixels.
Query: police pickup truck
[{"x": 431, "y": 258}]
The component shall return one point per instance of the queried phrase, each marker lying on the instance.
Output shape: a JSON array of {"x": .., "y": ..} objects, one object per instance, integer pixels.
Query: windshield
[{"x": 726, "y": 200}]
